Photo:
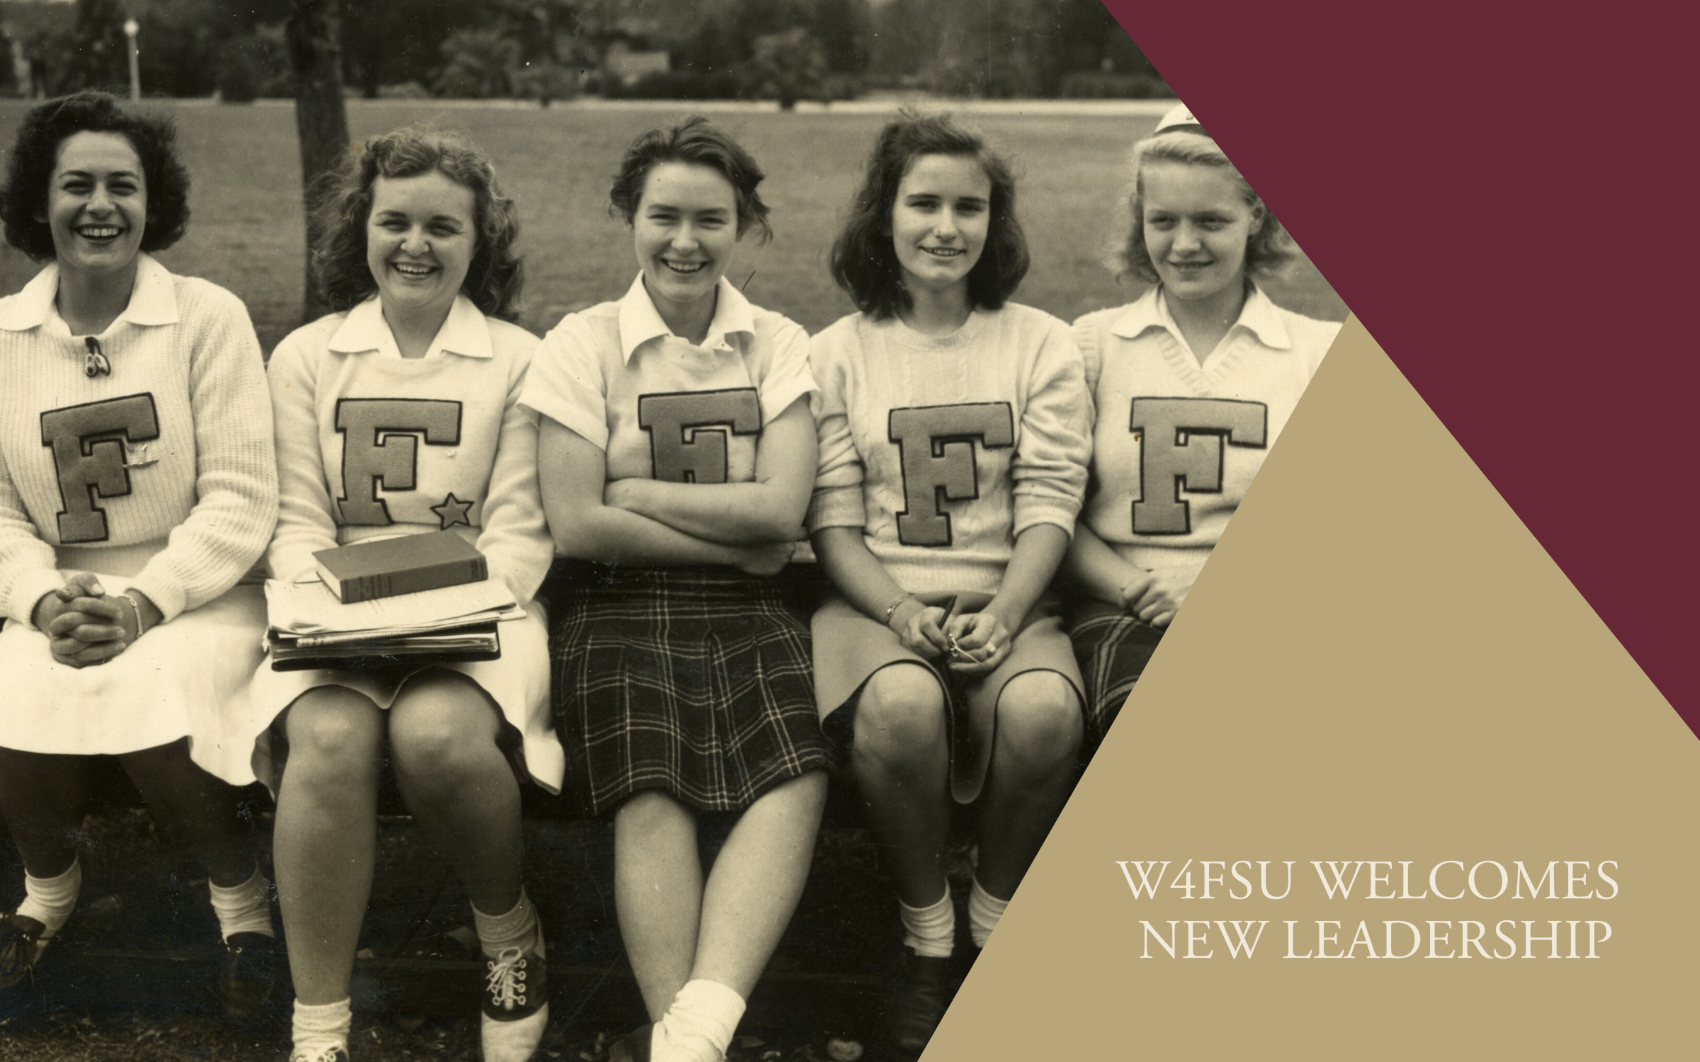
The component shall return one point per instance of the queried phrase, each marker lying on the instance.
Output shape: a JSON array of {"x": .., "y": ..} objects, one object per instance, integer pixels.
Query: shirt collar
[
  {"x": 641, "y": 322},
  {"x": 153, "y": 298},
  {"x": 464, "y": 331},
  {"x": 1259, "y": 316}
]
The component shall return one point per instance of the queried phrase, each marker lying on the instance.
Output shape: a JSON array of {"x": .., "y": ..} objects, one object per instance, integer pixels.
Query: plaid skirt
[
  {"x": 690, "y": 680},
  {"x": 1112, "y": 648}
]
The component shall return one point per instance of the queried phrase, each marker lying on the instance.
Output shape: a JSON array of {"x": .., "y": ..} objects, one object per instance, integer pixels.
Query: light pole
[{"x": 131, "y": 28}]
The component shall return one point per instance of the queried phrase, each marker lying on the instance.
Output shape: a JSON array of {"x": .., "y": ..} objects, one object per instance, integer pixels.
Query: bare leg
[
  {"x": 193, "y": 805},
  {"x": 1039, "y": 732},
  {"x": 42, "y": 799},
  {"x": 901, "y": 760},
  {"x": 756, "y": 882},
  {"x": 326, "y": 836},
  {"x": 459, "y": 786},
  {"x": 658, "y": 893}
]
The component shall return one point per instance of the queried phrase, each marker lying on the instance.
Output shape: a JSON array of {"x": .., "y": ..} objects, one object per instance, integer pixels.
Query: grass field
[
  {"x": 247, "y": 227},
  {"x": 247, "y": 235}
]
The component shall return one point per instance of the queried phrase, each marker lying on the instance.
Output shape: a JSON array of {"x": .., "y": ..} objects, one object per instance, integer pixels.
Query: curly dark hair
[
  {"x": 343, "y": 200},
  {"x": 35, "y": 153},
  {"x": 699, "y": 142},
  {"x": 1268, "y": 249},
  {"x": 864, "y": 262}
]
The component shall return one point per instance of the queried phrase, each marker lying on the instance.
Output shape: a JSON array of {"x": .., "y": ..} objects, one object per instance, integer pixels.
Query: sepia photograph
[{"x": 586, "y": 529}]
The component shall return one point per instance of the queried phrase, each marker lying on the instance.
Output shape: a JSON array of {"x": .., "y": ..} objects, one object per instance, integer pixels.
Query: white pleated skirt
[
  {"x": 518, "y": 683},
  {"x": 177, "y": 680}
]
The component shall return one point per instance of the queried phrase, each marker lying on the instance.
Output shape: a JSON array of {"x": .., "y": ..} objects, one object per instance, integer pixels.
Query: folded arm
[
  {"x": 768, "y": 509},
  {"x": 573, "y": 475}
]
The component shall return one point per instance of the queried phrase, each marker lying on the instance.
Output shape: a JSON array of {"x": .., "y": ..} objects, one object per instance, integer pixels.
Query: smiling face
[
  {"x": 97, "y": 204},
  {"x": 939, "y": 222},
  {"x": 1197, "y": 224},
  {"x": 420, "y": 239},
  {"x": 684, "y": 230}
]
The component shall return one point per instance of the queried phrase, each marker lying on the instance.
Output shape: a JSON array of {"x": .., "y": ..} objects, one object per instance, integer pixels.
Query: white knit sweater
[
  {"x": 173, "y": 447},
  {"x": 944, "y": 449},
  {"x": 452, "y": 447}
]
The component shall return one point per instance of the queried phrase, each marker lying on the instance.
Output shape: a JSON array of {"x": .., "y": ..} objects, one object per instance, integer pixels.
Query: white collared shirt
[
  {"x": 153, "y": 301},
  {"x": 641, "y": 322},
  {"x": 465, "y": 331},
  {"x": 607, "y": 372},
  {"x": 1260, "y": 317}
]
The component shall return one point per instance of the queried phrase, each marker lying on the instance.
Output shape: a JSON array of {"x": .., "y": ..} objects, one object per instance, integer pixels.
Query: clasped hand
[
  {"x": 972, "y": 643},
  {"x": 84, "y": 624},
  {"x": 1154, "y": 597}
]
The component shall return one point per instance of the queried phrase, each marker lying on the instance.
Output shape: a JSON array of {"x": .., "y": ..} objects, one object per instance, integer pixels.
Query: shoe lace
[{"x": 506, "y": 980}]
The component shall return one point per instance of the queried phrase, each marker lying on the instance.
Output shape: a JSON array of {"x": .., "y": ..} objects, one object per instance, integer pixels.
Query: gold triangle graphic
[{"x": 1380, "y": 663}]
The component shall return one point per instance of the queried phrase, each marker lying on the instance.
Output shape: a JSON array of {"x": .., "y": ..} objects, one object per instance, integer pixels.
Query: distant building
[{"x": 627, "y": 67}]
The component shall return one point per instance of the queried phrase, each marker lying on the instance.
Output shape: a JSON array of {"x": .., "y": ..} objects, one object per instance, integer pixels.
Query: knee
[
  {"x": 441, "y": 727},
  {"x": 1039, "y": 723},
  {"x": 335, "y": 733},
  {"x": 900, "y": 719}
]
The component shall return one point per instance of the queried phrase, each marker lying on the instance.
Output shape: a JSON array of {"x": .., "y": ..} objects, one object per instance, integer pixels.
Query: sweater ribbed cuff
[
  {"x": 837, "y": 507},
  {"x": 924, "y": 574},
  {"x": 30, "y": 588},
  {"x": 1030, "y": 511},
  {"x": 167, "y": 594}
]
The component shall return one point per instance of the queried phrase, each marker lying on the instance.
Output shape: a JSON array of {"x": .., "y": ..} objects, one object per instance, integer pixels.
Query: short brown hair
[
  {"x": 35, "y": 153},
  {"x": 345, "y": 205},
  {"x": 697, "y": 141}
]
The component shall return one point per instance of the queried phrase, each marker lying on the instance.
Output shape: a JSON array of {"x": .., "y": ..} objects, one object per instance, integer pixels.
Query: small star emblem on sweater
[{"x": 452, "y": 511}]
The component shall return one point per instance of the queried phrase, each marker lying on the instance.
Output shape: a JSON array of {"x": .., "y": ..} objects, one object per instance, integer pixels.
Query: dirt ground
[{"x": 130, "y": 978}]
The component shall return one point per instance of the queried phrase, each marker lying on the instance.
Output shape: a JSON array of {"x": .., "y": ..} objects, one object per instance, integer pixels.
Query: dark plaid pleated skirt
[
  {"x": 696, "y": 681},
  {"x": 1112, "y": 649}
]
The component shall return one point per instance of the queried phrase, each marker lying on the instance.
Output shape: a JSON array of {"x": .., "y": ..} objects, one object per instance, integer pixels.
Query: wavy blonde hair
[{"x": 1267, "y": 251}]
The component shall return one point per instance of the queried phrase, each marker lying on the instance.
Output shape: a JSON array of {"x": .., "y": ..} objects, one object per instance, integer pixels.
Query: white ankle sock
[
  {"x": 50, "y": 901},
  {"x": 930, "y": 930},
  {"x": 244, "y": 908},
  {"x": 516, "y": 929},
  {"x": 698, "y": 1027},
  {"x": 984, "y": 910},
  {"x": 315, "y": 1028}
]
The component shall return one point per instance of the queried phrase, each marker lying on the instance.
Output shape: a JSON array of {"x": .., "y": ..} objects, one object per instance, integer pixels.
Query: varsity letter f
[
  {"x": 1181, "y": 449},
  {"x": 88, "y": 455},
  {"x": 936, "y": 445}
]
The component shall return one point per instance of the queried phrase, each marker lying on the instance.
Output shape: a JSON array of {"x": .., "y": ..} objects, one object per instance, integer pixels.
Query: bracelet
[
  {"x": 136, "y": 607},
  {"x": 891, "y": 609}
]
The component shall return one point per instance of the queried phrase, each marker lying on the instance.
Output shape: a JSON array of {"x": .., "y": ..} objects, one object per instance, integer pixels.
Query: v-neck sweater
[{"x": 1177, "y": 441}]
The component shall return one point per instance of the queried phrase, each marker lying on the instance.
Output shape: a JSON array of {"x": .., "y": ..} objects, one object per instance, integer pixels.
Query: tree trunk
[{"x": 321, "y": 121}]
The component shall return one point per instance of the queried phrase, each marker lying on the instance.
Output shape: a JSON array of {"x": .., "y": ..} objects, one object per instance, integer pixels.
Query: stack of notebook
[{"x": 310, "y": 628}]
